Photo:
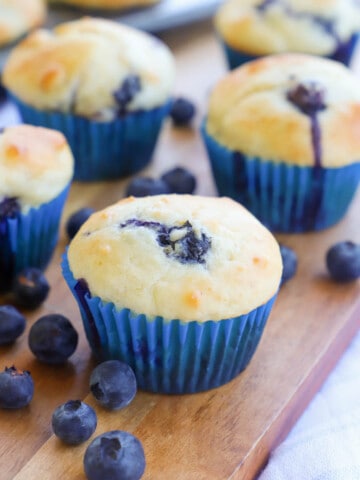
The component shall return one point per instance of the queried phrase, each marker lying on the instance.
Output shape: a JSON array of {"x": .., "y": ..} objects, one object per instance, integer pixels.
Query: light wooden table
[{"x": 225, "y": 433}]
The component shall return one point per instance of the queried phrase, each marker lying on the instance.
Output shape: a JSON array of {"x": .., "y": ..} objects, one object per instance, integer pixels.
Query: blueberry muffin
[
  {"x": 105, "y": 4},
  {"x": 18, "y": 17},
  {"x": 106, "y": 86},
  {"x": 282, "y": 134},
  {"x": 249, "y": 29},
  {"x": 177, "y": 286},
  {"x": 36, "y": 168}
]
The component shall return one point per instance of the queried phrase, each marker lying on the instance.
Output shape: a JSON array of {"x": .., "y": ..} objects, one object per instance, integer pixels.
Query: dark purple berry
[
  {"x": 290, "y": 263},
  {"x": 74, "y": 422},
  {"x": 343, "y": 261},
  {"x": 9, "y": 207},
  {"x": 127, "y": 91},
  {"x": 113, "y": 384},
  {"x": 53, "y": 339},
  {"x": 308, "y": 98},
  {"x": 12, "y": 324},
  {"x": 75, "y": 220},
  {"x": 180, "y": 180},
  {"x": 182, "y": 111},
  {"x": 30, "y": 288},
  {"x": 114, "y": 455},
  {"x": 144, "y": 186},
  {"x": 16, "y": 388},
  {"x": 180, "y": 242},
  {"x": 3, "y": 94}
]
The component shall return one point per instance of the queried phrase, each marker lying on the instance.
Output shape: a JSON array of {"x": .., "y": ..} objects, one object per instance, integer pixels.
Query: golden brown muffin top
[
  {"x": 36, "y": 164},
  {"x": 262, "y": 27},
  {"x": 284, "y": 107},
  {"x": 181, "y": 257}
]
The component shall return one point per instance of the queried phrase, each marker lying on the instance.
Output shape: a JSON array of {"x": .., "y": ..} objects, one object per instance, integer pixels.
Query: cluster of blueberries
[{"x": 113, "y": 455}]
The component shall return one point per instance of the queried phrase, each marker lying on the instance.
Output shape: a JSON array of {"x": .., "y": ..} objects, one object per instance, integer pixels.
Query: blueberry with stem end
[
  {"x": 114, "y": 455},
  {"x": 30, "y": 288},
  {"x": 290, "y": 263},
  {"x": 74, "y": 422},
  {"x": 343, "y": 261},
  {"x": 144, "y": 186},
  {"x": 76, "y": 219},
  {"x": 16, "y": 388},
  {"x": 113, "y": 384},
  {"x": 12, "y": 324},
  {"x": 182, "y": 111},
  {"x": 180, "y": 180},
  {"x": 53, "y": 339}
]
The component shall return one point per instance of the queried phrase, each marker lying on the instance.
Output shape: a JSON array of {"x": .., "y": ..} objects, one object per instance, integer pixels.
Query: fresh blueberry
[
  {"x": 290, "y": 263},
  {"x": 127, "y": 91},
  {"x": 75, "y": 220},
  {"x": 309, "y": 98},
  {"x": 16, "y": 388},
  {"x": 144, "y": 186},
  {"x": 74, "y": 422},
  {"x": 12, "y": 324},
  {"x": 343, "y": 261},
  {"x": 114, "y": 455},
  {"x": 180, "y": 180},
  {"x": 30, "y": 288},
  {"x": 53, "y": 339},
  {"x": 113, "y": 384},
  {"x": 182, "y": 111}
]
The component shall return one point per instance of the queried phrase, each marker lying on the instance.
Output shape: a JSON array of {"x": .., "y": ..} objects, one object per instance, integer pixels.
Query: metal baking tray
[{"x": 165, "y": 15}]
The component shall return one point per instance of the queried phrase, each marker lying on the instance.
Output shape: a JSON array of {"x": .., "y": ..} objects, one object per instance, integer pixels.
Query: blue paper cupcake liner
[
  {"x": 344, "y": 53},
  {"x": 29, "y": 240},
  {"x": 104, "y": 150},
  {"x": 285, "y": 198},
  {"x": 169, "y": 356}
]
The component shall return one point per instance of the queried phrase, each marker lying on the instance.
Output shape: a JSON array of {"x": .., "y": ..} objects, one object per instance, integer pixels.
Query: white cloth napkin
[{"x": 325, "y": 442}]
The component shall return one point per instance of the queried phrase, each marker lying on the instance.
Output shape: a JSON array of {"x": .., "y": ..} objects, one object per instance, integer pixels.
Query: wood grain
[{"x": 226, "y": 433}]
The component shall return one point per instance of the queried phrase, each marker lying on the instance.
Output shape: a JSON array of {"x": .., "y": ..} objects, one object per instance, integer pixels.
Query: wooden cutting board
[{"x": 226, "y": 433}]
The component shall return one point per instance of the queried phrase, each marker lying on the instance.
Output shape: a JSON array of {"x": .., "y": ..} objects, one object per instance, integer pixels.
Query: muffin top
[
  {"x": 17, "y": 17},
  {"x": 177, "y": 256},
  {"x": 106, "y": 4},
  {"x": 36, "y": 164},
  {"x": 261, "y": 27},
  {"x": 293, "y": 108},
  {"x": 91, "y": 67}
]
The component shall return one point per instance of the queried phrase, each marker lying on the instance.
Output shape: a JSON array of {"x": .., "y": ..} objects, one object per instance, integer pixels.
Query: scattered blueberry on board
[
  {"x": 343, "y": 261},
  {"x": 16, "y": 388},
  {"x": 144, "y": 186},
  {"x": 30, "y": 288},
  {"x": 76, "y": 219},
  {"x": 182, "y": 111},
  {"x": 53, "y": 339},
  {"x": 290, "y": 263},
  {"x": 12, "y": 324},
  {"x": 74, "y": 422},
  {"x": 180, "y": 180},
  {"x": 113, "y": 384},
  {"x": 114, "y": 455}
]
